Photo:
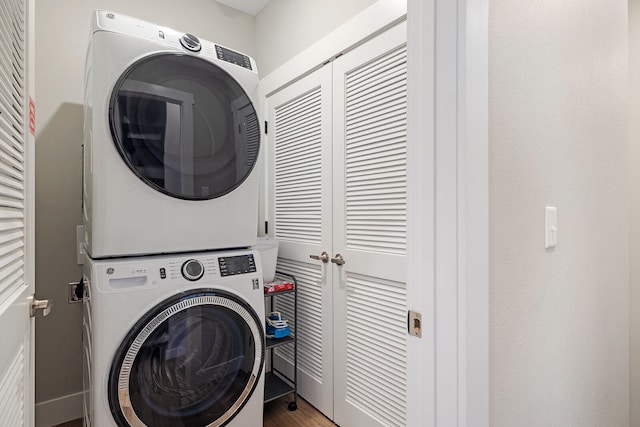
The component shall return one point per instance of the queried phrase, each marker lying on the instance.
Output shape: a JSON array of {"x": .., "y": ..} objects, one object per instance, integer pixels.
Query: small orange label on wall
[{"x": 32, "y": 117}]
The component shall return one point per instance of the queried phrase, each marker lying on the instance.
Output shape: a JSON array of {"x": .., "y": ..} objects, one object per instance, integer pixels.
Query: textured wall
[
  {"x": 284, "y": 28},
  {"x": 62, "y": 35},
  {"x": 634, "y": 205},
  {"x": 559, "y": 319}
]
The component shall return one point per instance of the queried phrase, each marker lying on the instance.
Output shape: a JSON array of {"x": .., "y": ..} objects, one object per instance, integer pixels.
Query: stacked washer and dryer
[{"x": 174, "y": 305}]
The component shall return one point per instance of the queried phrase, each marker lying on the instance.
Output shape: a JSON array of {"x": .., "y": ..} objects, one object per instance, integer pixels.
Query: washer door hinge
[{"x": 266, "y": 127}]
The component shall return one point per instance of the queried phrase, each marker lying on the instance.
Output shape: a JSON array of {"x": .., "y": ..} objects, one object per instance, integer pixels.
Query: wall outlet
[{"x": 76, "y": 293}]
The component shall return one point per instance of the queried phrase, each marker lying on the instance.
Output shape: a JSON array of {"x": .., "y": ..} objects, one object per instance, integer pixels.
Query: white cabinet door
[
  {"x": 369, "y": 232},
  {"x": 16, "y": 215},
  {"x": 300, "y": 164}
]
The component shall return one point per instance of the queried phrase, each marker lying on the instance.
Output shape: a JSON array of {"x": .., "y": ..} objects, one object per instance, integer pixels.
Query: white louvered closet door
[
  {"x": 16, "y": 214},
  {"x": 301, "y": 213},
  {"x": 369, "y": 231}
]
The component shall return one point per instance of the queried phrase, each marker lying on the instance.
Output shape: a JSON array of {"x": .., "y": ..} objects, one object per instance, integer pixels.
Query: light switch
[{"x": 550, "y": 227}]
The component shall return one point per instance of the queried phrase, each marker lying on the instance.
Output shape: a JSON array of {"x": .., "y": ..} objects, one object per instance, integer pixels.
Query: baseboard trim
[{"x": 59, "y": 411}]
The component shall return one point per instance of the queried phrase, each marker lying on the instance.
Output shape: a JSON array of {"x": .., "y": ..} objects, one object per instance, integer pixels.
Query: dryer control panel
[{"x": 234, "y": 57}]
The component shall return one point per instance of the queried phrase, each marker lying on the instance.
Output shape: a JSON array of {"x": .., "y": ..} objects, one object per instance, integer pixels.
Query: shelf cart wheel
[{"x": 293, "y": 406}]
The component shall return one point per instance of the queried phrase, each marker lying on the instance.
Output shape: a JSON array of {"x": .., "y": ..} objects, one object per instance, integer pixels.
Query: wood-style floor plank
[{"x": 277, "y": 414}]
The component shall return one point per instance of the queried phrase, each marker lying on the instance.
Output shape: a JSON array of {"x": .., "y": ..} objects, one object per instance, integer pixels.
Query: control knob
[
  {"x": 190, "y": 42},
  {"x": 192, "y": 270}
]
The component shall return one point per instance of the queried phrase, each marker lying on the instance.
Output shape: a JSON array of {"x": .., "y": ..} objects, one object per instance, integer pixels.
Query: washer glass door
[
  {"x": 193, "y": 360},
  {"x": 184, "y": 126}
]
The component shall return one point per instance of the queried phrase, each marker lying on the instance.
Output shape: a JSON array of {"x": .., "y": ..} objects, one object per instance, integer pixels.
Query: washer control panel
[
  {"x": 171, "y": 270},
  {"x": 192, "y": 270},
  {"x": 240, "y": 264}
]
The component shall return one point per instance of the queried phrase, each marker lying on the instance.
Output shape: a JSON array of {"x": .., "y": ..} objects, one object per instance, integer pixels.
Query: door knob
[
  {"x": 324, "y": 257},
  {"x": 338, "y": 260},
  {"x": 46, "y": 305}
]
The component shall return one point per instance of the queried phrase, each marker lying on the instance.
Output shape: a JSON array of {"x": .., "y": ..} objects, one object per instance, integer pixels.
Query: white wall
[
  {"x": 62, "y": 34},
  {"x": 559, "y": 319},
  {"x": 284, "y": 28},
  {"x": 634, "y": 205}
]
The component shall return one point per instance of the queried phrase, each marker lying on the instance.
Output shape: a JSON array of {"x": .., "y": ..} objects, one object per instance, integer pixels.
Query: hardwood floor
[{"x": 276, "y": 414}]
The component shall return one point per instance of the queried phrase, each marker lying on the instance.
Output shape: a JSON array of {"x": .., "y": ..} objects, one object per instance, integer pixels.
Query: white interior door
[
  {"x": 16, "y": 214},
  {"x": 369, "y": 232},
  {"x": 301, "y": 212}
]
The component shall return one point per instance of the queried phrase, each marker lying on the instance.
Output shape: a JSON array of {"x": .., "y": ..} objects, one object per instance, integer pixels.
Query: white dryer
[
  {"x": 171, "y": 141},
  {"x": 174, "y": 340}
]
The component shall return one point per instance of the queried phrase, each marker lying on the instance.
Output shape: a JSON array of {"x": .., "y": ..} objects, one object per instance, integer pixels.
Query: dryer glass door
[
  {"x": 184, "y": 126},
  {"x": 193, "y": 360}
]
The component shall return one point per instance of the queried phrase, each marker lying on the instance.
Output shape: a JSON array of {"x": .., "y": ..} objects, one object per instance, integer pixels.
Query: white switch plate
[{"x": 550, "y": 227}]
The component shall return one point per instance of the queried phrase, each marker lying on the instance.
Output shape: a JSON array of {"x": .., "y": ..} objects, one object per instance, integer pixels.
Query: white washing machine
[
  {"x": 171, "y": 142},
  {"x": 174, "y": 340}
]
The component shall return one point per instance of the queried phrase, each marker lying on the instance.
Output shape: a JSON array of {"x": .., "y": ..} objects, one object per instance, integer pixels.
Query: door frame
[
  {"x": 448, "y": 128},
  {"x": 448, "y": 381}
]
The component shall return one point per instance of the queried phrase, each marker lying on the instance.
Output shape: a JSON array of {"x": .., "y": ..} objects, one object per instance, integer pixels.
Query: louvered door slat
[
  {"x": 12, "y": 409},
  {"x": 15, "y": 12},
  {"x": 365, "y": 113},
  {"x": 377, "y": 120},
  {"x": 376, "y": 91},
  {"x": 12, "y": 281},
  {"x": 298, "y": 169},
  {"x": 381, "y": 103},
  {"x": 383, "y": 187},
  {"x": 374, "y": 360},
  {"x": 11, "y": 406},
  {"x": 380, "y": 136},
  {"x": 11, "y": 69},
  {"x": 11, "y": 182},
  {"x": 10, "y": 111},
  {"x": 375, "y": 132},
  {"x": 305, "y": 111},
  {"x": 297, "y": 158},
  {"x": 377, "y": 67},
  {"x": 13, "y": 136},
  {"x": 306, "y": 130},
  {"x": 377, "y": 155}
]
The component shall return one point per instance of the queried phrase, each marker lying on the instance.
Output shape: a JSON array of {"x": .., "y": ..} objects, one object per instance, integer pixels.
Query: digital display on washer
[
  {"x": 233, "y": 57},
  {"x": 233, "y": 265}
]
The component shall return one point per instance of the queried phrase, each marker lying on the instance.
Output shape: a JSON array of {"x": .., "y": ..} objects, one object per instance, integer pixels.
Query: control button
[
  {"x": 163, "y": 273},
  {"x": 192, "y": 270},
  {"x": 190, "y": 42}
]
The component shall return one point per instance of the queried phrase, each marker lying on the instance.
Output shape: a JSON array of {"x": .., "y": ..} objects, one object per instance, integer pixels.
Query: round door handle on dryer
[
  {"x": 324, "y": 257},
  {"x": 338, "y": 260}
]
